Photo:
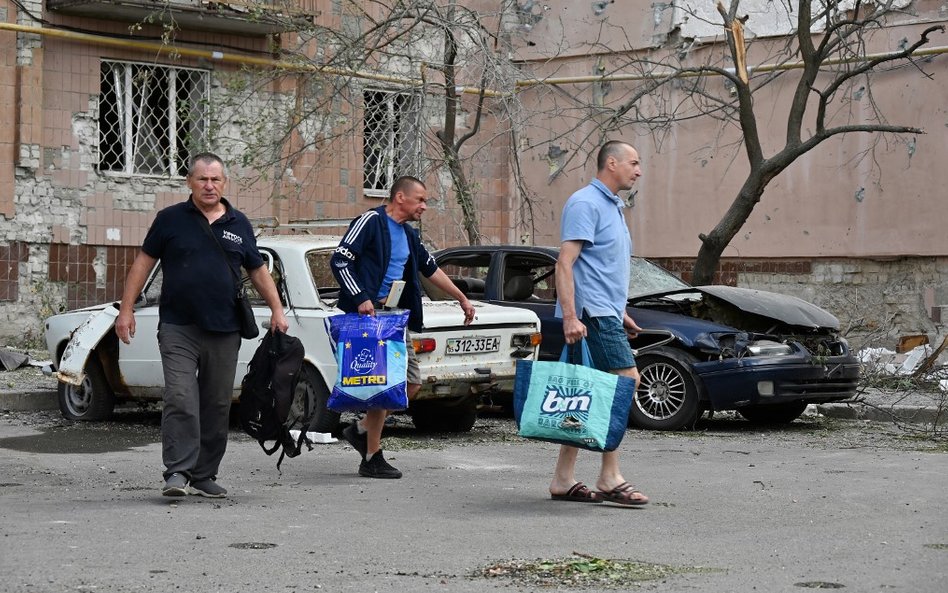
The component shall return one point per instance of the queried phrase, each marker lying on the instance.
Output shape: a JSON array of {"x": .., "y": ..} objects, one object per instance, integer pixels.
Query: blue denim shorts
[{"x": 608, "y": 344}]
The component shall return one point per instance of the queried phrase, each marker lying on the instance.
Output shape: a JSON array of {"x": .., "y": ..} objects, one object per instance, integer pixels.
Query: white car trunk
[{"x": 484, "y": 352}]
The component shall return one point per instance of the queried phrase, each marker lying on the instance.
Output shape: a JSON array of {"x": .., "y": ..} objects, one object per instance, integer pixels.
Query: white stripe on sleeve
[
  {"x": 358, "y": 226},
  {"x": 350, "y": 282}
]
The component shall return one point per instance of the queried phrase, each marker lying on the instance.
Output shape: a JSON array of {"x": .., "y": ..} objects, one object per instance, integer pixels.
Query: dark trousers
[{"x": 199, "y": 368}]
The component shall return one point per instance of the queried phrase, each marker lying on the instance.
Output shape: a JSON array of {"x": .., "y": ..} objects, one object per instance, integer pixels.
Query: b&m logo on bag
[
  {"x": 365, "y": 358},
  {"x": 557, "y": 401},
  {"x": 566, "y": 404},
  {"x": 571, "y": 404}
]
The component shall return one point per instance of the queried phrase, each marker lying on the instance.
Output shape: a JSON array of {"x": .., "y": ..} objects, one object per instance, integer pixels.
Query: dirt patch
[{"x": 584, "y": 572}]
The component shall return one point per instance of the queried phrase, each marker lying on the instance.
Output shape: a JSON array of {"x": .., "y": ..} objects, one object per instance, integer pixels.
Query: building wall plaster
[
  {"x": 875, "y": 301},
  {"x": 766, "y": 18}
]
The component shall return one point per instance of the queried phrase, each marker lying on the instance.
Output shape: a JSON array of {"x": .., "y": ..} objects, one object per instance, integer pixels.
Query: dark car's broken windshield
[{"x": 648, "y": 278}]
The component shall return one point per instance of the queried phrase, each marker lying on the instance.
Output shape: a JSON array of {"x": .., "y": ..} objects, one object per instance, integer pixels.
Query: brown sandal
[
  {"x": 578, "y": 493},
  {"x": 624, "y": 494}
]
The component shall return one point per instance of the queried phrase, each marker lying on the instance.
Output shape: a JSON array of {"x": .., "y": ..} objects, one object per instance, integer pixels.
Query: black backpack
[{"x": 270, "y": 405}]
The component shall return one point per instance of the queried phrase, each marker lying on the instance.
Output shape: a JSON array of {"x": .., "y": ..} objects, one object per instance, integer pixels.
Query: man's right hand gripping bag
[
  {"x": 372, "y": 358},
  {"x": 572, "y": 404}
]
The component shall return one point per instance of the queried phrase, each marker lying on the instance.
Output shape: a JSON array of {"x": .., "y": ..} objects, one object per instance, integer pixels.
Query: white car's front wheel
[
  {"x": 323, "y": 419},
  {"x": 93, "y": 400}
]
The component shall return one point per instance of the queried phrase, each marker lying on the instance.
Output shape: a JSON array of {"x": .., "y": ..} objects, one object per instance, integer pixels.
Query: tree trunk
[
  {"x": 463, "y": 196},
  {"x": 714, "y": 244},
  {"x": 451, "y": 149}
]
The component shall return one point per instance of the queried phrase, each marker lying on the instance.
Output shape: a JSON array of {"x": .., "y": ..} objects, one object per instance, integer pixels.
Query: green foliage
[{"x": 584, "y": 571}]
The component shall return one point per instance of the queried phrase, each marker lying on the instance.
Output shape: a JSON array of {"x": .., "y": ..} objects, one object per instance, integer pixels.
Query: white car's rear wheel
[{"x": 444, "y": 415}]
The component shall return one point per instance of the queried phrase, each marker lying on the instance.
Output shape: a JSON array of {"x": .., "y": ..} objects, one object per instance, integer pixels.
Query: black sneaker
[
  {"x": 208, "y": 488},
  {"x": 377, "y": 467},
  {"x": 359, "y": 442},
  {"x": 175, "y": 485}
]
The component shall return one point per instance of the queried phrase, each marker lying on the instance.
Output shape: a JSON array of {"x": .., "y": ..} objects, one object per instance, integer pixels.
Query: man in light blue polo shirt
[{"x": 592, "y": 280}]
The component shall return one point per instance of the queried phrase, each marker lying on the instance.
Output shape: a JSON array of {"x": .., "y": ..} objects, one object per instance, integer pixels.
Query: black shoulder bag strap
[{"x": 207, "y": 229}]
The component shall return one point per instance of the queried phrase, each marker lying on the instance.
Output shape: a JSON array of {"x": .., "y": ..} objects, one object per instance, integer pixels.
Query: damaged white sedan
[{"x": 459, "y": 363}]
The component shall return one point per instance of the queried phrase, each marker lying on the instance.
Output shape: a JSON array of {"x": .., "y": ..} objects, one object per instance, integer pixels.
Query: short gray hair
[{"x": 207, "y": 158}]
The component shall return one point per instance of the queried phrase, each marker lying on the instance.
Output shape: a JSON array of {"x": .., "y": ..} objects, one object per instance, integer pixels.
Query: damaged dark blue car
[{"x": 764, "y": 354}]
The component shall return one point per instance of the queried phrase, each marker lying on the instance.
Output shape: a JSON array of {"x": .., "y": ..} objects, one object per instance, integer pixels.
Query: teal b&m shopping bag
[{"x": 572, "y": 404}]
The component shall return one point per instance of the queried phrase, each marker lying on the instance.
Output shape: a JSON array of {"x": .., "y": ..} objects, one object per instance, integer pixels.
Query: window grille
[
  {"x": 391, "y": 139},
  {"x": 151, "y": 118}
]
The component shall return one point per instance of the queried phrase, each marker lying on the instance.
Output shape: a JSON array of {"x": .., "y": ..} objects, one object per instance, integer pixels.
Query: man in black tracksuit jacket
[{"x": 379, "y": 248}]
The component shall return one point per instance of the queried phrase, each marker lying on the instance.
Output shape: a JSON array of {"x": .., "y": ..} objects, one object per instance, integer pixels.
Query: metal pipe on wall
[{"x": 231, "y": 58}]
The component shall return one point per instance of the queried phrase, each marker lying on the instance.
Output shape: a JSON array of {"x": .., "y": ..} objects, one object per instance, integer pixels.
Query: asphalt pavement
[
  {"x": 821, "y": 503},
  {"x": 882, "y": 405}
]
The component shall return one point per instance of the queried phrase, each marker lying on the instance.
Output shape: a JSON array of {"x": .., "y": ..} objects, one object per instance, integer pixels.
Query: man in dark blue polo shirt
[{"x": 198, "y": 325}]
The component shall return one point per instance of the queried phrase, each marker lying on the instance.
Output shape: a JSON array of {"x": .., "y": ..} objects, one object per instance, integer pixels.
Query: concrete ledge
[
  {"x": 907, "y": 414},
  {"x": 28, "y": 401}
]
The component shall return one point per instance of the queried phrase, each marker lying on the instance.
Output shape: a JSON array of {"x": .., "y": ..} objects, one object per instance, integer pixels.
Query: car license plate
[{"x": 473, "y": 345}]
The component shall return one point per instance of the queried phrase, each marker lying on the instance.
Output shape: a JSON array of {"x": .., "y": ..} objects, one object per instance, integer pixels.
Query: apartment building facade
[{"x": 102, "y": 102}]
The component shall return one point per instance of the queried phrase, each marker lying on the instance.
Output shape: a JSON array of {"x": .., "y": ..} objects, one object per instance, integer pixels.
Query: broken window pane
[
  {"x": 151, "y": 118},
  {"x": 390, "y": 138}
]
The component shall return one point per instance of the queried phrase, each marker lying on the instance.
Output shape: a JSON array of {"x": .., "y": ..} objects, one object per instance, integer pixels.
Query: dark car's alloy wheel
[{"x": 667, "y": 397}]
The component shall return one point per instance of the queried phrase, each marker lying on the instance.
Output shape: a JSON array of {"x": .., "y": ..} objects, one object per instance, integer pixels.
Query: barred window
[
  {"x": 390, "y": 137},
  {"x": 151, "y": 118}
]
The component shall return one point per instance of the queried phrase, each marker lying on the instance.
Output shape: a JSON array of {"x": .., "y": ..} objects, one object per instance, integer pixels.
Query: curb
[
  {"x": 900, "y": 414},
  {"x": 29, "y": 401}
]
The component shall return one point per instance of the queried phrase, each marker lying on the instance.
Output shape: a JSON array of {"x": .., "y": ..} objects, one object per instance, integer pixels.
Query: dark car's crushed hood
[
  {"x": 750, "y": 309},
  {"x": 780, "y": 307}
]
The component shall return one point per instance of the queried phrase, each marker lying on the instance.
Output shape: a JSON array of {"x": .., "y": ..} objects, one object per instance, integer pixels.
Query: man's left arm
[
  {"x": 441, "y": 280},
  {"x": 260, "y": 277},
  {"x": 429, "y": 267}
]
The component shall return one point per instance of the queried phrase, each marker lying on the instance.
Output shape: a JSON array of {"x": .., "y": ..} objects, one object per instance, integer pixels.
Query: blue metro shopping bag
[
  {"x": 572, "y": 404},
  {"x": 372, "y": 359}
]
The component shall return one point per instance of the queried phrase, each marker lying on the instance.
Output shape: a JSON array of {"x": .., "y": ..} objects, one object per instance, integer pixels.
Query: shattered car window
[
  {"x": 648, "y": 278},
  {"x": 255, "y": 297},
  {"x": 318, "y": 263},
  {"x": 152, "y": 292}
]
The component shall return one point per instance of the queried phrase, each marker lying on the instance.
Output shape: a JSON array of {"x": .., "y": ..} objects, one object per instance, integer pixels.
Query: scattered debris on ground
[{"x": 584, "y": 571}]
